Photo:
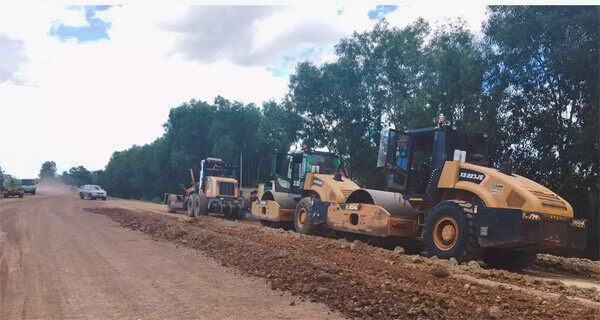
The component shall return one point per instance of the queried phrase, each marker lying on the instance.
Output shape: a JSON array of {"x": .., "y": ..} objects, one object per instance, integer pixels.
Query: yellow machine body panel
[
  {"x": 278, "y": 206},
  {"x": 498, "y": 190},
  {"x": 328, "y": 188},
  {"x": 271, "y": 210},
  {"x": 369, "y": 219},
  {"x": 220, "y": 187}
]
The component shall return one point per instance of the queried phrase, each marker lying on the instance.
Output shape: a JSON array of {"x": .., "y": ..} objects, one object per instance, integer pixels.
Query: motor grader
[
  {"x": 439, "y": 190},
  {"x": 213, "y": 193}
]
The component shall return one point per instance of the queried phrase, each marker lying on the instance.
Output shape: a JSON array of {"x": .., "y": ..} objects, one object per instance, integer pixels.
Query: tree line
[{"x": 530, "y": 81}]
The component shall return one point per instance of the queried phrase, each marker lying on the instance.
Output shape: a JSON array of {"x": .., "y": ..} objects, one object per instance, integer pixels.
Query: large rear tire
[
  {"x": 508, "y": 260},
  {"x": 202, "y": 205},
  {"x": 303, "y": 217},
  {"x": 170, "y": 207},
  {"x": 450, "y": 231}
]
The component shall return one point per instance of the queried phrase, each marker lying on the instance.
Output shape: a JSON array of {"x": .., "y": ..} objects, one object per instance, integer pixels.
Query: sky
[{"x": 80, "y": 82}]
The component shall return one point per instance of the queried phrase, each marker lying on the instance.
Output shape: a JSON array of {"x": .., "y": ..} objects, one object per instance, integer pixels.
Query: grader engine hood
[
  {"x": 221, "y": 187},
  {"x": 328, "y": 188},
  {"x": 498, "y": 190}
]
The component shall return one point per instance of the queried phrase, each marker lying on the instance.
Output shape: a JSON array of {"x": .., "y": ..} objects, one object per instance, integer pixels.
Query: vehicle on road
[
  {"x": 438, "y": 191},
  {"x": 215, "y": 192},
  {"x": 29, "y": 186},
  {"x": 92, "y": 192},
  {"x": 12, "y": 187}
]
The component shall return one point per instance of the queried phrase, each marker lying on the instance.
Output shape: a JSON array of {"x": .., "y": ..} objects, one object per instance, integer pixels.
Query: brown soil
[
  {"x": 58, "y": 261},
  {"x": 360, "y": 280}
]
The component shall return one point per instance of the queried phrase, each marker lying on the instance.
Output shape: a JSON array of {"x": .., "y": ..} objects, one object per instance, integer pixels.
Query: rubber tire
[
  {"x": 33, "y": 193},
  {"x": 103, "y": 198},
  {"x": 308, "y": 228},
  {"x": 202, "y": 208},
  {"x": 92, "y": 198},
  {"x": 507, "y": 260},
  {"x": 192, "y": 203},
  {"x": 466, "y": 247},
  {"x": 170, "y": 208},
  {"x": 81, "y": 196},
  {"x": 21, "y": 195}
]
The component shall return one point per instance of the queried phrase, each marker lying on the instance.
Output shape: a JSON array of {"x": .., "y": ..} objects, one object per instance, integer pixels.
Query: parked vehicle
[
  {"x": 29, "y": 186},
  {"x": 92, "y": 192},
  {"x": 12, "y": 188}
]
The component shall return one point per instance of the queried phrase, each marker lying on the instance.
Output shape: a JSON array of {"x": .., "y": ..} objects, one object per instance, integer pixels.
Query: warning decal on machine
[{"x": 497, "y": 189}]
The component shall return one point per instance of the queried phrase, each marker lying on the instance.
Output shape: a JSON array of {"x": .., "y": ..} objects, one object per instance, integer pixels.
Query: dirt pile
[
  {"x": 570, "y": 266},
  {"x": 357, "y": 279}
]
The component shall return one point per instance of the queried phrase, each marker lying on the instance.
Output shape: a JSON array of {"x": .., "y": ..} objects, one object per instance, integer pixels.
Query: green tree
[
  {"x": 389, "y": 77},
  {"x": 48, "y": 170},
  {"x": 545, "y": 69},
  {"x": 194, "y": 131},
  {"x": 1, "y": 178},
  {"x": 77, "y": 176}
]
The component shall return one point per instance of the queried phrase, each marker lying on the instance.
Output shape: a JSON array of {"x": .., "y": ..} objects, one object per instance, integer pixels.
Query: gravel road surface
[{"x": 58, "y": 261}]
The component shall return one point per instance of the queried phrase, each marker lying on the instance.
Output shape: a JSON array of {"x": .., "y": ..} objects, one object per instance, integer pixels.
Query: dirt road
[
  {"x": 364, "y": 281},
  {"x": 61, "y": 257},
  {"x": 58, "y": 261}
]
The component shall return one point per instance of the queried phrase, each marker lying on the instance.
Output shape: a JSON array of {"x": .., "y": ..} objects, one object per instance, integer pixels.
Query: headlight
[
  {"x": 578, "y": 223},
  {"x": 531, "y": 216}
]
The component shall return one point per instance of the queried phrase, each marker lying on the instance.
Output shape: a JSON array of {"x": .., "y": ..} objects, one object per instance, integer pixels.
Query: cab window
[{"x": 420, "y": 163}]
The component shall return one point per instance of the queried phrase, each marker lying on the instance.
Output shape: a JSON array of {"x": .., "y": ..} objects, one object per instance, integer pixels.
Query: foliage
[
  {"x": 1, "y": 177},
  {"x": 195, "y": 131},
  {"x": 544, "y": 64},
  {"x": 389, "y": 77},
  {"x": 48, "y": 170},
  {"x": 77, "y": 176},
  {"x": 531, "y": 82}
]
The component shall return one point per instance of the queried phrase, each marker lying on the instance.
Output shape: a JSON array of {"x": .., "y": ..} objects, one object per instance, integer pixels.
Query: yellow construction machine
[
  {"x": 301, "y": 179},
  {"x": 438, "y": 190},
  {"x": 214, "y": 193}
]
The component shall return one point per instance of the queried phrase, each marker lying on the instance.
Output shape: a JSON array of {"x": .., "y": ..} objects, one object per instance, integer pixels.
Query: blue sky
[
  {"x": 381, "y": 11},
  {"x": 67, "y": 59},
  {"x": 94, "y": 31}
]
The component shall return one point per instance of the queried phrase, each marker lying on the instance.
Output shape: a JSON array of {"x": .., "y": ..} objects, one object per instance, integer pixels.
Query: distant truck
[
  {"x": 12, "y": 187},
  {"x": 29, "y": 186}
]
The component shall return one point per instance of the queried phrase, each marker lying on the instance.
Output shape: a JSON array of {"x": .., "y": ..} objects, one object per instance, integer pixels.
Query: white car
[{"x": 92, "y": 192}]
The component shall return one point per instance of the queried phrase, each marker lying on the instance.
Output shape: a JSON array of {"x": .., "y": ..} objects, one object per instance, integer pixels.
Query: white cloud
[
  {"x": 11, "y": 57},
  {"x": 72, "y": 16},
  {"x": 437, "y": 15},
  {"x": 95, "y": 98}
]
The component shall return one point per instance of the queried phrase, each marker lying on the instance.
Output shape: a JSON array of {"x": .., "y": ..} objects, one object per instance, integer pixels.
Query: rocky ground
[{"x": 364, "y": 281}]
